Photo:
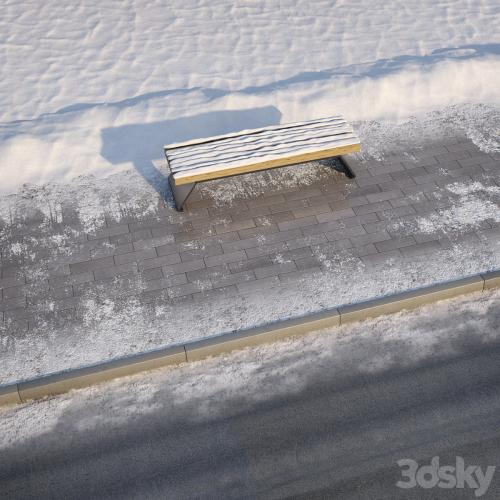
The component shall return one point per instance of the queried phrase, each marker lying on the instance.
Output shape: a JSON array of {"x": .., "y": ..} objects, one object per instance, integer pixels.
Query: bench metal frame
[{"x": 181, "y": 192}]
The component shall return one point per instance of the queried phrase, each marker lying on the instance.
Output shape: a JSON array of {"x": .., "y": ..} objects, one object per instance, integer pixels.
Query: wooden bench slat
[
  {"x": 208, "y": 173},
  {"x": 256, "y": 146},
  {"x": 256, "y": 155},
  {"x": 255, "y": 137},
  {"x": 252, "y": 131},
  {"x": 259, "y": 149}
]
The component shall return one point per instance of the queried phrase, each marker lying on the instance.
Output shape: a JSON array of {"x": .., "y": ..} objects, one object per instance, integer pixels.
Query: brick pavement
[{"x": 269, "y": 239}]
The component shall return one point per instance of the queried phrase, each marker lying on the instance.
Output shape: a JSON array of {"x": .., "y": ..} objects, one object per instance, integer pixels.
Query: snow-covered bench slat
[{"x": 253, "y": 150}]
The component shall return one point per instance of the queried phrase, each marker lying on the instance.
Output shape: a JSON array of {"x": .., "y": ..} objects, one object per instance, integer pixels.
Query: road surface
[{"x": 325, "y": 416}]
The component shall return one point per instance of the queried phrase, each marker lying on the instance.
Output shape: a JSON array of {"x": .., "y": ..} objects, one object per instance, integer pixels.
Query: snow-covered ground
[
  {"x": 94, "y": 90},
  {"x": 99, "y": 87},
  {"x": 264, "y": 373}
]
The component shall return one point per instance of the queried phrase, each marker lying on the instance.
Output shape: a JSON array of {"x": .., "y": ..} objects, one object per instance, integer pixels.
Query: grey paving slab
[{"x": 399, "y": 209}]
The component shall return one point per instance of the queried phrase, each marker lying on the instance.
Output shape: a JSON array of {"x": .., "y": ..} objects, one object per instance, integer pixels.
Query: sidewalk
[{"x": 248, "y": 250}]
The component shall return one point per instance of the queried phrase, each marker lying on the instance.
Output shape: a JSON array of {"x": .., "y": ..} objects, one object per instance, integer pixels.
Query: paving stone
[
  {"x": 142, "y": 255},
  {"x": 306, "y": 241},
  {"x": 258, "y": 231},
  {"x": 91, "y": 265},
  {"x": 384, "y": 195},
  {"x": 296, "y": 223},
  {"x": 149, "y": 243},
  {"x": 13, "y": 303},
  {"x": 250, "y": 264},
  {"x": 364, "y": 239},
  {"x": 363, "y": 250},
  {"x": 258, "y": 285},
  {"x": 12, "y": 281},
  {"x": 37, "y": 296},
  {"x": 23, "y": 290},
  {"x": 354, "y": 201},
  {"x": 152, "y": 274},
  {"x": 336, "y": 215},
  {"x": 270, "y": 200},
  {"x": 372, "y": 179},
  {"x": 420, "y": 188},
  {"x": 359, "y": 220},
  {"x": 455, "y": 155},
  {"x": 224, "y": 258},
  {"x": 167, "y": 249},
  {"x": 290, "y": 255},
  {"x": 461, "y": 146},
  {"x": 208, "y": 273},
  {"x": 109, "y": 231},
  {"x": 275, "y": 269},
  {"x": 160, "y": 224},
  {"x": 266, "y": 249},
  {"x": 365, "y": 191},
  {"x": 183, "y": 267},
  {"x": 225, "y": 291},
  {"x": 204, "y": 251},
  {"x": 111, "y": 250},
  {"x": 303, "y": 274},
  {"x": 331, "y": 250},
  {"x": 160, "y": 283},
  {"x": 303, "y": 193},
  {"x": 308, "y": 211},
  {"x": 164, "y": 260},
  {"x": 290, "y": 205},
  {"x": 234, "y": 246},
  {"x": 266, "y": 220},
  {"x": 381, "y": 259},
  {"x": 72, "y": 279},
  {"x": 420, "y": 162},
  {"x": 307, "y": 263},
  {"x": 118, "y": 270},
  {"x": 189, "y": 288},
  {"x": 383, "y": 246},
  {"x": 421, "y": 249},
  {"x": 394, "y": 213},
  {"x": 246, "y": 214},
  {"x": 322, "y": 228},
  {"x": 372, "y": 207},
  {"x": 388, "y": 169},
  {"x": 189, "y": 235},
  {"x": 235, "y": 226},
  {"x": 375, "y": 227},
  {"x": 345, "y": 233},
  {"x": 232, "y": 279}
]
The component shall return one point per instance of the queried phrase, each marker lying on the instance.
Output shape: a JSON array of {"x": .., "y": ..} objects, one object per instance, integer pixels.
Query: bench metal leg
[
  {"x": 181, "y": 193},
  {"x": 347, "y": 164}
]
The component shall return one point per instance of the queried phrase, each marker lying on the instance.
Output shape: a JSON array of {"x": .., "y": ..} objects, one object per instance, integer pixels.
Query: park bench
[{"x": 259, "y": 149}]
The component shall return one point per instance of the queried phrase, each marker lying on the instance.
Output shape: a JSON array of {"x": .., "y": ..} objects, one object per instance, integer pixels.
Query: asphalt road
[{"x": 338, "y": 436}]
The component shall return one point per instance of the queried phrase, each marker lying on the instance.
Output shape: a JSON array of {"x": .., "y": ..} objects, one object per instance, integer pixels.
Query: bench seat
[{"x": 253, "y": 150}]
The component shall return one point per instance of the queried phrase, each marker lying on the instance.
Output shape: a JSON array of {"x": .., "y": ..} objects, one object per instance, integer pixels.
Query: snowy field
[{"x": 98, "y": 87}]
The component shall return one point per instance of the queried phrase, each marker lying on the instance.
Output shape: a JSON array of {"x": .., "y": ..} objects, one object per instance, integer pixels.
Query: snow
[
  {"x": 253, "y": 147},
  {"x": 93, "y": 91},
  {"x": 99, "y": 87},
  {"x": 114, "y": 326},
  {"x": 204, "y": 389}
]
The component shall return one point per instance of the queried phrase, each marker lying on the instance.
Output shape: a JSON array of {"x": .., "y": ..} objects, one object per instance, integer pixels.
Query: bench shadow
[{"x": 141, "y": 144}]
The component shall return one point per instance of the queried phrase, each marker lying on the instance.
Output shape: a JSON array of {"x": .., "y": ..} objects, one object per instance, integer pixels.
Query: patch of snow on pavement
[{"x": 264, "y": 373}]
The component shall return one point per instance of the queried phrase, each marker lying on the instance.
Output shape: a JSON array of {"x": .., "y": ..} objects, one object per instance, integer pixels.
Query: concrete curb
[{"x": 60, "y": 382}]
